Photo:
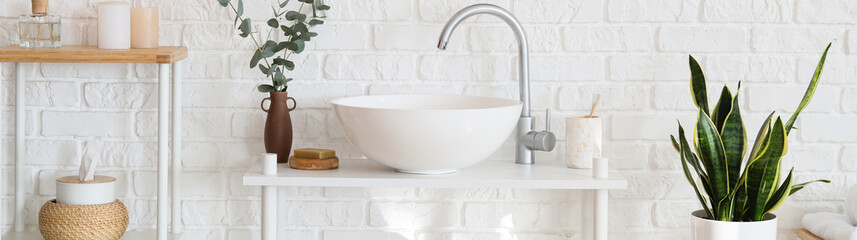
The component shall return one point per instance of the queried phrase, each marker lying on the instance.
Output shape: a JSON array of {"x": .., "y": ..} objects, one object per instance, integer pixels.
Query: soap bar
[
  {"x": 314, "y": 153},
  {"x": 314, "y": 164}
]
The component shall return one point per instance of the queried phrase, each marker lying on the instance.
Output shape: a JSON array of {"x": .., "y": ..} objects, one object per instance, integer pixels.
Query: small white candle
[
  {"x": 583, "y": 140},
  {"x": 114, "y": 25}
]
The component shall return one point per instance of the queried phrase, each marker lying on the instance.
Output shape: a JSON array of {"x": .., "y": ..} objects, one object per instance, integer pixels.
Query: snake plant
[{"x": 730, "y": 187}]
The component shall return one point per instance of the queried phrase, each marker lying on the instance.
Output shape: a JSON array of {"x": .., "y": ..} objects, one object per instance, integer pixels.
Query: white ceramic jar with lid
[{"x": 72, "y": 191}]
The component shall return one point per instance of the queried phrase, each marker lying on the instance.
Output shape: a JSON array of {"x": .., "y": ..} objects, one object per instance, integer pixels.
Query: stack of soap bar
[
  {"x": 314, "y": 153},
  {"x": 314, "y": 159}
]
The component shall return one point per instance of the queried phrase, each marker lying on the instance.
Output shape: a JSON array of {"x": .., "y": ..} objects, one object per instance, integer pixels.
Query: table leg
[
  {"x": 586, "y": 211},
  {"x": 269, "y": 199},
  {"x": 163, "y": 120},
  {"x": 20, "y": 149},
  {"x": 600, "y": 216},
  {"x": 599, "y": 205},
  {"x": 177, "y": 148}
]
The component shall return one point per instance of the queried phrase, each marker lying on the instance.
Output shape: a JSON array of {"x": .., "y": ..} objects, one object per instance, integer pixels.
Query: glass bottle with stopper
[{"x": 39, "y": 29}]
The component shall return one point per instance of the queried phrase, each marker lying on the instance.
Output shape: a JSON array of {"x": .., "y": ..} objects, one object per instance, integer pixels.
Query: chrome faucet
[{"x": 527, "y": 141}]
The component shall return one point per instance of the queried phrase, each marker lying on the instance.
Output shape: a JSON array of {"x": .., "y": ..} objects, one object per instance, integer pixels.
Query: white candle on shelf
[
  {"x": 144, "y": 27},
  {"x": 114, "y": 25}
]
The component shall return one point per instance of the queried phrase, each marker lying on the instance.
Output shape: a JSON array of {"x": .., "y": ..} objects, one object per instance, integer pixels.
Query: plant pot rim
[{"x": 702, "y": 216}]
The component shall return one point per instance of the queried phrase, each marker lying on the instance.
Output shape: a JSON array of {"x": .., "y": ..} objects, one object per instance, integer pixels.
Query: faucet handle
[
  {"x": 542, "y": 140},
  {"x": 547, "y": 120}
]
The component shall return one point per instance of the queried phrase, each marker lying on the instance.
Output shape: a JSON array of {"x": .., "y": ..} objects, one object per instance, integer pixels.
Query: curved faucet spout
[
  {"x": 523, "y": 51},
  {"x": 526, "y": 140}
]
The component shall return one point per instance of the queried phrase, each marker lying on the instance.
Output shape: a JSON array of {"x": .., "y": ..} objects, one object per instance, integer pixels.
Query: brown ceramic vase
[{"x": 278, "y": 126}]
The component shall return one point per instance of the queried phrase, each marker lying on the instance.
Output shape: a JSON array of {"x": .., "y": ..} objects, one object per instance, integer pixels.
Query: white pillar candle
[
  {"x": 114, "y": 25},
  {"x": 583, "y": 140}
]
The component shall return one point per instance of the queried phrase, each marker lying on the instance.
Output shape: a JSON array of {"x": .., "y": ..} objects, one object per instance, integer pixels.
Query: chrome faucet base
[{"x": 523, "y": 155}]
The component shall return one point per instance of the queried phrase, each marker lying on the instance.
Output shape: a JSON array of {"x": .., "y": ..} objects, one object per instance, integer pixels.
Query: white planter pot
[
  {"x": 706, "y": 229},
  {"x": 72, "y": 191}
]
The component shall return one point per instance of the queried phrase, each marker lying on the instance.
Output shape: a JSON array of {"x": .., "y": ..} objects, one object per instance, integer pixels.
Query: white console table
[
  {"x": 168, "y": 60},
  {"x": 486, "y": 174}
]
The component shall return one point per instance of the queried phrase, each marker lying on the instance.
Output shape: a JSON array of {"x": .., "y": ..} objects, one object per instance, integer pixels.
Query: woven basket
[{"x": 92, "y": 222}]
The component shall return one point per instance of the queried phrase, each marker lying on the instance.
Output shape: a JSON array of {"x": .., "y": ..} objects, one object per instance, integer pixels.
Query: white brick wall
[{"x": 632, "y": 52}]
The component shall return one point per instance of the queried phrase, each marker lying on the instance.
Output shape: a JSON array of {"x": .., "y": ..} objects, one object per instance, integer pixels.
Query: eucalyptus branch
[
  {"x": 298, "y": 34},
  {"x": 288, "y": 53},
  {"x": 258, "y": 47}
]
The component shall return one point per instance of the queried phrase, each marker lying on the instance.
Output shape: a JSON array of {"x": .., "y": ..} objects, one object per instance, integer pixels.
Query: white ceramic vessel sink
[{"x": 427, "y": 134}]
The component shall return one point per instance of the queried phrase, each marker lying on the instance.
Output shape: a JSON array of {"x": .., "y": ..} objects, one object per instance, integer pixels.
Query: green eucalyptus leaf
[
  {"x": 284, "y": 3},
  {"x": 305, "y": 37},
  {"x": 269, "y": 49},
  {"x": 265, "y": 88},
  {"x": 265, "y": 70},
  {"x": 300, "y": 44},
  {"x": 301, "y": 27},
  {"x": 273, "y": 23},
  {"x": 289, "y": 65},
  {"x": 280, "y": 47},
  {"x": 323, "y": 7},
  {"x": 288, "y": 31},
  {"x": 223, "y": 2},
  {"x": 292, "y": 15},
  {"x": 314, "y": 22},
  {"x": 286, "y": 63},
  {"x": 255, "y": 59},
  {"x": 288, "y": 45},
  {"x": 240, "y": 10},
  {"x": 245, "y": 28},
  {"x": 279, "y": 78}
]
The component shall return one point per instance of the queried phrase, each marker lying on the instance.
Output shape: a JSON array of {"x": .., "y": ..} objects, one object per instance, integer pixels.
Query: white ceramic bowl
[{"x": 427, "y": 134}]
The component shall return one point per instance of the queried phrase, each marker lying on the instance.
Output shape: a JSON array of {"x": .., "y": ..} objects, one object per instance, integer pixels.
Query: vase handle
[
  {"x": 294, "y": 103},
  {"x": 262, "y": 104}
]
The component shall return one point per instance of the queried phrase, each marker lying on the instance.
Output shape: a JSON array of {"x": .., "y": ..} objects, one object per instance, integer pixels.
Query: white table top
[{"x": 486, "y": 174}]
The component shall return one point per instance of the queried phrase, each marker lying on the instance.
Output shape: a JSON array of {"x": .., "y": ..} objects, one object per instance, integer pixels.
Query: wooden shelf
[
  {"x": 91, "y": 54},
  {"x": 486, "y": 174},
  {"x": 804, "y": 234},
  {"x": 129, "y": 235}
]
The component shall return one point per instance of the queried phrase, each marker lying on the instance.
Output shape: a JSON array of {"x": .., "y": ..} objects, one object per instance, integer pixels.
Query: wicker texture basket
[{"x": 92, "y": 222}]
